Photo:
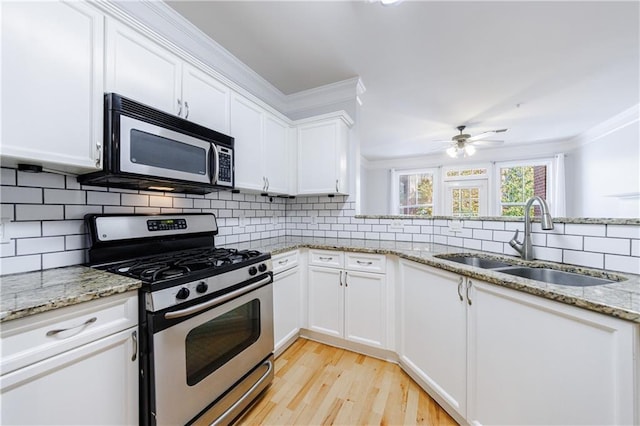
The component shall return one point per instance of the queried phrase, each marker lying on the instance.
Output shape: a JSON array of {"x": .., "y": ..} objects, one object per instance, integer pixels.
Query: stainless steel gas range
[{"x": 206, "y": 314}]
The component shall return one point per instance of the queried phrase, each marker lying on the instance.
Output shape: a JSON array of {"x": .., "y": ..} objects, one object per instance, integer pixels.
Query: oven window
[
  {"x": 156, "y": 151},
  {"x": 210, "y": 345}
]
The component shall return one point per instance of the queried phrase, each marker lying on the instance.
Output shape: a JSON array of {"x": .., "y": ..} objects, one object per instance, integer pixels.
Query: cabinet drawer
[
  {"x": 333, "y": 259},
  {"x": 366, "y": 262},
  {"x": 284, "y": 261},
  {"x": 32, "y": 339}
]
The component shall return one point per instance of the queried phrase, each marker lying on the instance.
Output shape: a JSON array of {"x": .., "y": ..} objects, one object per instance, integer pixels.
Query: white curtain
[{"x": 559, "y": 207}]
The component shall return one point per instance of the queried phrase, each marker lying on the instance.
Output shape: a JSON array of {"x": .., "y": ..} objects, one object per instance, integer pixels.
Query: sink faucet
[{"x": 525, "y": 248}]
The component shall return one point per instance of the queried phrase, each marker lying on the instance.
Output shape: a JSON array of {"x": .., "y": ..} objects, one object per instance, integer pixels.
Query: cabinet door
[
  {"x": 365, "y": 308},
  {"x": 96, "y": 383},
  {"x": 287, "y": 306},
  {"x": 535, "y": 361},
  {"x": 433, "y": 330},
  {"x": 206, "y": 100},
  {"x": 52, "y": 84},
  {"x": 322, "y": 157},
  {"x": 246, "y": 128},
  {"x": 326, "y": 300},
  {"x": 276, "y": 155},
  {"x": 142, "y": 70}
]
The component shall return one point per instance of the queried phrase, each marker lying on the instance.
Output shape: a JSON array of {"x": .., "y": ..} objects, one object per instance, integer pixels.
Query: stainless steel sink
[
  {"x": 553, "y": 276},
  {"x": 478, "y": 262}
]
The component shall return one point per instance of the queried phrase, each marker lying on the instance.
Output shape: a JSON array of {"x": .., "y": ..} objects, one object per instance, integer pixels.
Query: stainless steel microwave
[{"x": 149, "y": 149}]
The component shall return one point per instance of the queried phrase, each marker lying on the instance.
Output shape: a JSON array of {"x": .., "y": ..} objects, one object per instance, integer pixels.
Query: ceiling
[{"x": 545, "y": 70}]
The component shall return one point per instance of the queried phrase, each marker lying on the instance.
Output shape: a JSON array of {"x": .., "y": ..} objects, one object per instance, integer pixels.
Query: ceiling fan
[{"x": 464, "y": 144}]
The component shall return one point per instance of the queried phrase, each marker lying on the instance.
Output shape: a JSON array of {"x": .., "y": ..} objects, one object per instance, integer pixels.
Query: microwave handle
[{"x": 214, "y": 162}]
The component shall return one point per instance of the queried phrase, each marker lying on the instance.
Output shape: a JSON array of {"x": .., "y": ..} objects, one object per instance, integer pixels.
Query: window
[
  {"x": 465, "y": 192},
  {"x": 518, "y": 182},
  {"x": 415, "y": 192}
]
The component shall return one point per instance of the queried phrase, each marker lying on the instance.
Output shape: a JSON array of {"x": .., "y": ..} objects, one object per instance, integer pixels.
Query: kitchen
[{"x": 155, "y": 56}]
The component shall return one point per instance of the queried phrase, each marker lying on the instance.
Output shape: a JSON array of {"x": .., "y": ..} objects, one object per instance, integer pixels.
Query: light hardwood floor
[{"x": 318, "y": 384}]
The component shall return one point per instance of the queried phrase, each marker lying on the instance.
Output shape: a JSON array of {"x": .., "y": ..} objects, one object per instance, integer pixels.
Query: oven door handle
[
  {"x": 232, "y": 410},
  {"x": 232, "y": 295}
]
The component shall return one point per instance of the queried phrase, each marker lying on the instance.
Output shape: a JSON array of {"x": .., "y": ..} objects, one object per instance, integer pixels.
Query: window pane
[
  {"x": 518, "y": 184},
  {"x": 415, "y": 194}
]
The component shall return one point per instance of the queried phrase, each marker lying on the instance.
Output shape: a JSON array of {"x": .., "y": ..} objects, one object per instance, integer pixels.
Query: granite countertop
[
  {"x": 620, "y": 299},
  {"x": 30, "y": 293}
]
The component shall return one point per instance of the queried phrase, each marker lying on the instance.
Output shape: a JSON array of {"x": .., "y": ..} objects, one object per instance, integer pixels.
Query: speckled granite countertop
[
  {"x": 619, "y": 299},
  {"x": 34, "y": 292},
  {"x": 30, "y": 293}
]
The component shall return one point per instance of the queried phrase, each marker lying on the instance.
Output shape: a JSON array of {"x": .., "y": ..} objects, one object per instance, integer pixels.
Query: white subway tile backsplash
[
  {"x": 118, "y": 210},
  {"x": 635, "y": 247},
  {"x": 493, "y": 225},
  {"x": 572, "y": 242},
  {"x": 161, "y": 201},
  {"x": 39, "y": 245},
  {"x": 547, "y": 253},
  {"x": 76, "y": 242},
  {"x": 64, "y": 196},
  {"x": 16, "y": 264},
  {"x": 103, "y": 198},
  {"x": 23, "y": 229},
  {"x": 622, "y": 231},
  {"x": 134, "y": 200},
  {"x": 492, "y": 246},
  {"x": 183, "y": 203},
  {"x": 7, "y": 212},
  {"x": 65, "y": 258},
  {"x": 585, "y": 229},
  {"x": 608, "y": 245},
  {"x": 39, "y": 212},
  {"x": 472, "y": 244},
  {"x": 454, "y": 241},
  {"x": 78, "y": 212},
  {"x": 8, "y": 249},
  {"x": 41, "y": 180},
  {"x": 8, "y": 176},
  {"x": 622, "y": 263},
  {"x": 17, "y": 194},
  {"x": 148, "y": 210},
  {"x": 558, "y": 228},
  {"x": 482, "y": 234},
  {"x": 591, "y": 260}
]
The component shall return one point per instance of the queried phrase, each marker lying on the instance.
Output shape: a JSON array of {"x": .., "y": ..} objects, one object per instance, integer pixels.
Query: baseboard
[{"x": 383, "y": 354}]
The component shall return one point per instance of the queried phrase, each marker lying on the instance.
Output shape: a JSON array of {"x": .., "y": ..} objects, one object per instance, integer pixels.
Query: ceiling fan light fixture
[
  {"x": 389, "y": 2},
  {"x": 469, "y": 149},
  {"x": 452, "y": 152}
]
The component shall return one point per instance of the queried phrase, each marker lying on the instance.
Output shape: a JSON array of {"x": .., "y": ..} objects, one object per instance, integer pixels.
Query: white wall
[
  {"x": 376, "y": 191},
  {"x": 605, "y": 175}
]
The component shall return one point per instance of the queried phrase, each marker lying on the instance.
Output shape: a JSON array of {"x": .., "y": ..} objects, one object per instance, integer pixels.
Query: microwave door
[
  {"x": 150, "y": 150},
  {"x": 214, "y": 163}
]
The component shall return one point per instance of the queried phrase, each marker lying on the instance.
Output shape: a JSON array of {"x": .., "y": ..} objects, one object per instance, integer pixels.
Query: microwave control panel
[{"x": 225, "y": 166}]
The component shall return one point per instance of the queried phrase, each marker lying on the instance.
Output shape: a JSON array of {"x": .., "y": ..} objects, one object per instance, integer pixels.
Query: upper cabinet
[
  {"x": 261, "y": 148},
  {"x": 323, "y": 145},
  {"x": 144, "y": 71},
  {"x": 52, "y": 85}
]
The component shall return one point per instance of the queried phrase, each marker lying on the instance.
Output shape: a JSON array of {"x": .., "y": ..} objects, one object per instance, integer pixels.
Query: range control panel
[{"x": 166, "y": 224}]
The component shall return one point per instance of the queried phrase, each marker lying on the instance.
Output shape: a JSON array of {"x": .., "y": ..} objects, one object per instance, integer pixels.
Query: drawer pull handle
[
  {"x": 283, "y": 262},
  {"x": 325, "y": 259},
  {"x": 460, "y": 288},
  {"x": 340, "y": 278},
  {"x": 134, "y": 337},
  {"x": 346, "y": 284},
  {"x": 469, "y": 284},
  {"x": 360, "y": 262},
  {"x": 60, "y": 330}
]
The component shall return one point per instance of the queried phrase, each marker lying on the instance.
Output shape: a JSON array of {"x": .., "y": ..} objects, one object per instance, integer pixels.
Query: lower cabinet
[
  {"x": 491, "y": 355},
  {"x": 92, "y": 382},
  {"x": 346, "y": 303},
  {"x": 287, "y": 298}
]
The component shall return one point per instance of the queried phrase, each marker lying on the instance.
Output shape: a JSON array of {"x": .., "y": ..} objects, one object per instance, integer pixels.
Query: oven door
[
  {"x": 150, "y": 150},
  {"x": 198, "y": 359}
]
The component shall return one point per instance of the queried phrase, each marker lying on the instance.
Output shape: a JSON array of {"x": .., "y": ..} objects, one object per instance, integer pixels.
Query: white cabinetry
[
  {"x": 52, "y": 85},
  {"x": 261, "y": 148},
  {"x": 287, "y": 299},
  {"x": 535, "y": 361},
  {"x": 347, "y": 303},
  {"x": 141, "y": 69},
  {"x": 434, "y": 330},
  {"x": 75, "y": 365},
  {"x": 323, "y": 154},
  {"x": 492, "y": 355}
]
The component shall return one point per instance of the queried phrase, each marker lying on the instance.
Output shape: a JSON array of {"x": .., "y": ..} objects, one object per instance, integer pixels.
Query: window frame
[
  {"x": 395, "y": 187},
  {"x": 548, "y": 162}
]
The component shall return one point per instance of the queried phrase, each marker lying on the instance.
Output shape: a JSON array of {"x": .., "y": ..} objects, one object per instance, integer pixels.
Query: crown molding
[
  {"x": 341, "y": 115},
  {"x": 157, "y": 19},
  {"x": 615, "y": 123}
]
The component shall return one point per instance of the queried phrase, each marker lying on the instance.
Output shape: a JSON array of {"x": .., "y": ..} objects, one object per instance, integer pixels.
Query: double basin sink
[{"x": 547, "y": 275}]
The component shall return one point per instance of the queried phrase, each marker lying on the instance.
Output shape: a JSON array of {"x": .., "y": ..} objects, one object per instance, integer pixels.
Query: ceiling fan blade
[
  {"x": 485, "y": 134},
  {"x": 487, "y": 143}
]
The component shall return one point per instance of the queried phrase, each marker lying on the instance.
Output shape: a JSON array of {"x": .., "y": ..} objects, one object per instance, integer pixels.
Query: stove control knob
[
  {"x": 253, "y": 270},
  {"x": 262, "y": 267},
  {"x": 183, "y": 293},
  {"x": 202, "y": 287}
]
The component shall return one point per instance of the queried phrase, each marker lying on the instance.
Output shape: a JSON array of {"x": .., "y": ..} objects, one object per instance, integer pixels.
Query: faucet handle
[
  {"x": 517, "y": 245},
  {"x": 515, "y": 236}
]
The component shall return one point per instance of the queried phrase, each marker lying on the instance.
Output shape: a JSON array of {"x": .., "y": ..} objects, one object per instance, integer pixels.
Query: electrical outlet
[
  {"x": 455, "y": 226},
  {"x": 396, "y": 224},
  {"x": 314, "y": 220}
]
